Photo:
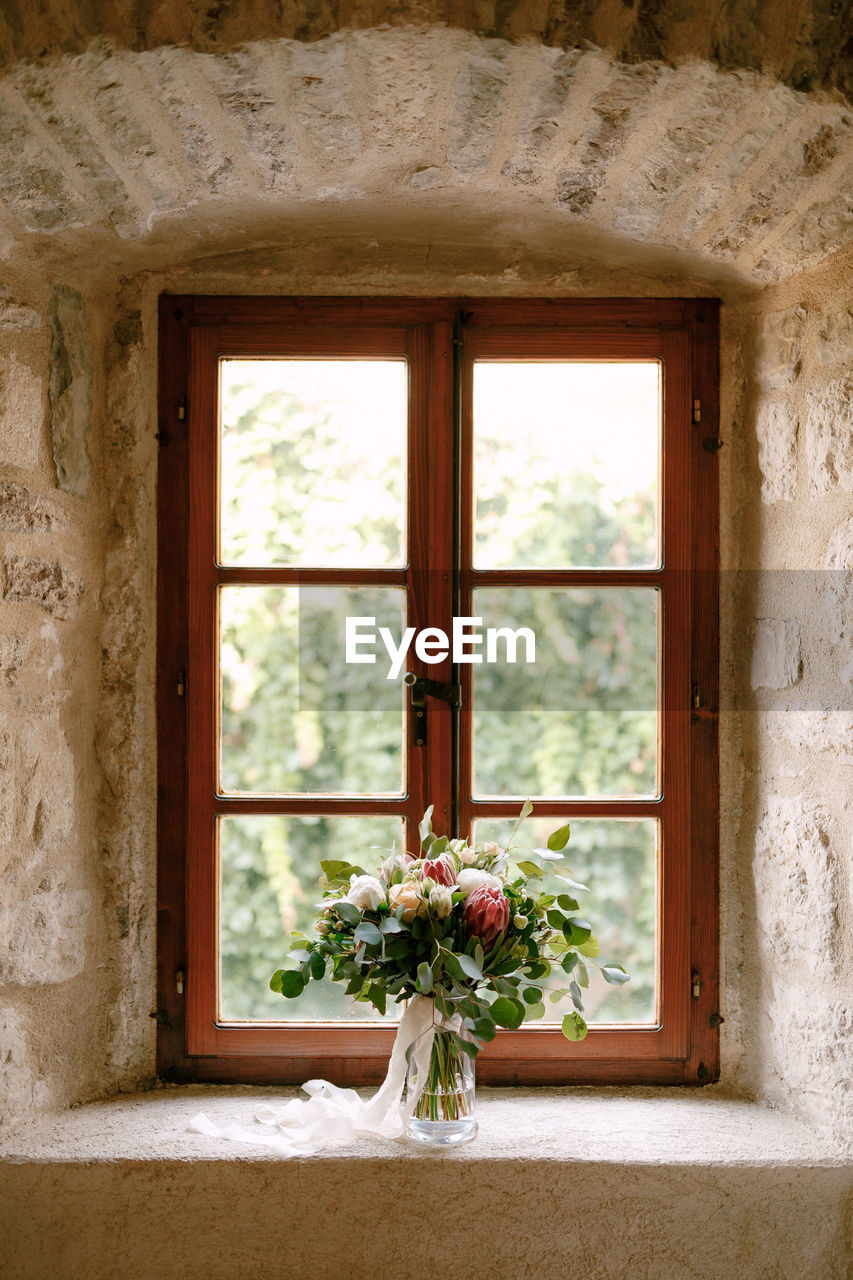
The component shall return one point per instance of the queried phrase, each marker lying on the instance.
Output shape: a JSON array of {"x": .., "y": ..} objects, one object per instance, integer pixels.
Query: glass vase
[{"x": 444, "y": 1112}]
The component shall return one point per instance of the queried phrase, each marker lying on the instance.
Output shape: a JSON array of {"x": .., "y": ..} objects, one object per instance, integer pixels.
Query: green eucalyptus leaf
[
  {"x": 376, "y": 996},
  {"x": 275, "y": 981},
  {"x": 348, "y": 911},
  {"x": 534, "y": 1011},
  {"x": 424, "y": 980},
  {"x": 470, "y": 967},
  {"x": 507, "y": 1013},
  {"x": 590, "y": 948},
  {"x": 468, "y": 1046},
  {"x": 526, "y": 810},
  {"x": 425, "y": 825},
  {"x": 530, "y": 869},
  {"x": 391, "y": 925},
  {"x": 614, "y": 973},
  {"x": 317, "y": 965},
  {"x": 292, "y": 984},
  {"x": 368, "y": 934},
  {"x": 531, "y": 995},
  {"x": 558, "y": 840},
  {"x": 574, "y": 1027}
]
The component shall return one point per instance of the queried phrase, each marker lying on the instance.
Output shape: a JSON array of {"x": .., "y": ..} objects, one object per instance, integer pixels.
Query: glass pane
[
  {"x": 295, "y": 716},
  {"x": 582, "y": 719},
  {"x": 616, "y": 858},
  {"x": 566, "y": 464},
  {"x": 269, "y": 886},
  {"x": 311, "y": 464}
]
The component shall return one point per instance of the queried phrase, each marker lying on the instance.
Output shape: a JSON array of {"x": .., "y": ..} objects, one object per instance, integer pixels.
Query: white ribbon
[{"x": 331, "y": 1114}]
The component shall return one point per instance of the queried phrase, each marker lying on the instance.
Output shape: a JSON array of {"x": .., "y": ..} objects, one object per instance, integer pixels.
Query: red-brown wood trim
[
  {"x": 703, "y": 1065},
  {"x": 684, "y": 1048},
  {"x": 172, "y": 657}
]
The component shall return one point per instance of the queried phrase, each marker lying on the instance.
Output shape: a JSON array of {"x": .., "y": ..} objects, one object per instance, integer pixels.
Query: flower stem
[{"x": 446, "y": 1095}]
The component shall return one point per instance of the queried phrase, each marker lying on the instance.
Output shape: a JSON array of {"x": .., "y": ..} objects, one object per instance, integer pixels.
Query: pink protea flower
[
  {"x": 486, "y": 914},
  {"x": 441, "y": 870}
]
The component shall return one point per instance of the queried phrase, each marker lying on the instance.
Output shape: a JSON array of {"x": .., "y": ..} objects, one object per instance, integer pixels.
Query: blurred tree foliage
[{"x": 296, "y": 718}]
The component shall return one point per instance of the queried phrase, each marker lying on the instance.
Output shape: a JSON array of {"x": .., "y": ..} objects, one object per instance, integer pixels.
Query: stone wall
[
  {"x": 406, "y": 161},
  {"x": 50, "y": 906},
  {"x": 797, "y": 699}
]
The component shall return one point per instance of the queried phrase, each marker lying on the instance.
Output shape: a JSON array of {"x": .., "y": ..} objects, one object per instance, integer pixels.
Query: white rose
[
  {"x": 365, "y": 892},
  {"x": 397, "y": 862},
  {"x": 467, "y": 857},
  {"x": 469, "y": 880},
  {"x": 440, "y": 901}
]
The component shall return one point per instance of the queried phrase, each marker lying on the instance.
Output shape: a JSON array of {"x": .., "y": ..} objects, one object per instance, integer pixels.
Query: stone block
[
  {"x": 810, "y": 1041},
  {"x": 13, "y": 654},
  {"x": 835, "y": 339},
  {"x": 839, "y": 551},
  {"x": 828, "y": 423},
  {"x": 777, "y": 430},
  {"x": 70, "y": 392},
  {"x": 15, "y": 315},
  {"x": 779, "y": 355},
  {"x": 32, "y": 184},
  {"x": 813, "y": 729},
  {"x": 776, "y": 662},
  {"x": 796, "y": 885},
  {"x": 423, "y": 179},
  {"x": 47, "y": 584},
  {"x": 23, "y": 411},
  {"x": 479, "y": 92},
  {"x": 42, "y": 932},
  {"x": 17, "y": 1071},
  {"x": 25, "y": 512}
]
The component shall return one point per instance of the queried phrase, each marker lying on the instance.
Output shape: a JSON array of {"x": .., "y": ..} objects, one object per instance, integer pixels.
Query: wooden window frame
[{"x": 194, "y": 333}]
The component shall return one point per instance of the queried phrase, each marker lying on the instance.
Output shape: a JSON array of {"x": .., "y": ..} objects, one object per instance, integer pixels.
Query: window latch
[{"x": 422, "y": 688}]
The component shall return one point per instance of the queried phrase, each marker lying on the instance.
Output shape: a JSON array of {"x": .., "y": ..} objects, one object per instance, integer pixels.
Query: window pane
[
  {"x": 312, "y": 468},
  {"x": 269, "y": 886},
  {"x": 582, "y": 719},
  {"x": 296, "y": 717},
  {"x": 566, "y": 464},
  {"x": 616, "y": 858}
]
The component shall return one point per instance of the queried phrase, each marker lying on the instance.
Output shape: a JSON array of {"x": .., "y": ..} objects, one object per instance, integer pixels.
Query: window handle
[{"x": 421, "y": 689}]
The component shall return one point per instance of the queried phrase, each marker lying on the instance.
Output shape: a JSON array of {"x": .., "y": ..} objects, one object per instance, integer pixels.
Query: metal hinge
[
  {"x": 179, "y": 982},
  {"x": 697, "y": 410},
  {"x": 695, "y": 985},
  {"x": 181, "y": 684},
  {"x": 182, "y": 411}
]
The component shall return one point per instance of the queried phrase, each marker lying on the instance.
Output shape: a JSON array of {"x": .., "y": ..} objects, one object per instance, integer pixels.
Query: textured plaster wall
[{"x": 404, "y": 161}]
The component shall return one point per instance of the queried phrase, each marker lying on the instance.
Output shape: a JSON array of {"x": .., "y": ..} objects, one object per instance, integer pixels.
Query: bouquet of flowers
[{"x": 481, "y": 931}]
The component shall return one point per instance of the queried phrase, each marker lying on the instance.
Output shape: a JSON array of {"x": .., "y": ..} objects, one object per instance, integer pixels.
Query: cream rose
[
  {"x": 365, "y": 892},
  {"x": 472, "y": 878},
  {"x": 408, "y": 896},
  {"x": 440, "y": 901}
]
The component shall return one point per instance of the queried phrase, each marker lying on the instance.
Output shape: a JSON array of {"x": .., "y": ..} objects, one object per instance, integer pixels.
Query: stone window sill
[
  {"x": 607, "y": 1126},
  {"x": 608, "y": 1184}
]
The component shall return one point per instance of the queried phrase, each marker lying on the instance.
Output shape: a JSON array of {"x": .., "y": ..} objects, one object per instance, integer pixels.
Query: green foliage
[{"x": 586, "y": 727}]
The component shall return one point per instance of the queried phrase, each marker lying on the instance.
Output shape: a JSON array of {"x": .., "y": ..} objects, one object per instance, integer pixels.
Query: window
[{"x": 548, "y": 465}]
